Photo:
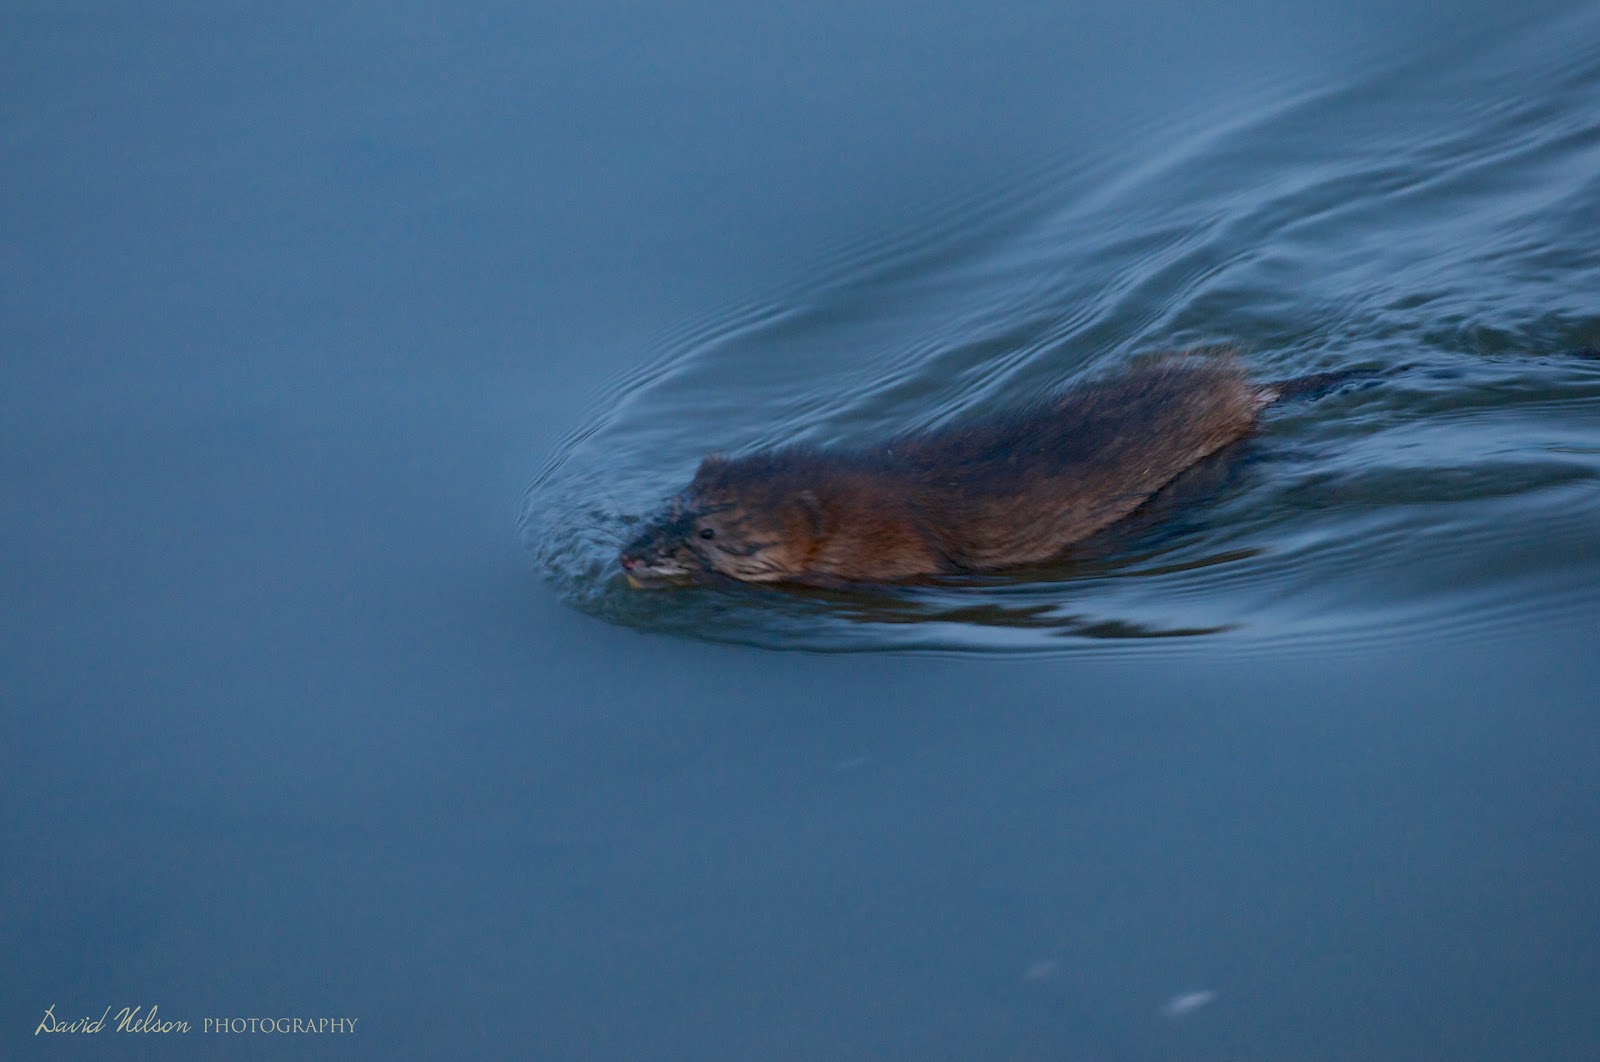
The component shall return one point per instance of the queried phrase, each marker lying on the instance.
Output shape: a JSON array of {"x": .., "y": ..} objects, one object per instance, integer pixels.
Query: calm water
[{"x": 341, "y": 346}]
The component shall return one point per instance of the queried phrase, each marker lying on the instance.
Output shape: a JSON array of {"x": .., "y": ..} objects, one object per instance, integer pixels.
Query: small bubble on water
[
  {"x": 1042, "y": 970},
  {"x": 1181, "y": 1006}
]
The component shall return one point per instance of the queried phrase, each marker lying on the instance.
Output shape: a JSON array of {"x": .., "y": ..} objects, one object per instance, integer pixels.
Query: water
[
  {"x": 298, "y": 303},
  {"x": 1366, "y": 226}
]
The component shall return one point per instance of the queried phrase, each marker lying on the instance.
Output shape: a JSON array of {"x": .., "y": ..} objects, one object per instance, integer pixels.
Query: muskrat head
[{"x": 730, "y": 521}]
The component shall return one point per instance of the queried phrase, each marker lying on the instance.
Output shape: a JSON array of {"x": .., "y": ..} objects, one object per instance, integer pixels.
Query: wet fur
[{"x": 1005, "y": 490}]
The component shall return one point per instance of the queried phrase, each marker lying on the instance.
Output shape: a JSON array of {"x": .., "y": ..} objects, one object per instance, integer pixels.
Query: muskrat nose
[{"x": 629, "y": 561}]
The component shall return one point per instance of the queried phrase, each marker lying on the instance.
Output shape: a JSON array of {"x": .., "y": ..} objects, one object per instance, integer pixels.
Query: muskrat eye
[{"x": 706, "y": 532}]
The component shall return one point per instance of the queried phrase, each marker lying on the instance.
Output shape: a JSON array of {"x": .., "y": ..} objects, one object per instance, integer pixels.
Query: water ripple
[{"x": 1433, "y": 225}]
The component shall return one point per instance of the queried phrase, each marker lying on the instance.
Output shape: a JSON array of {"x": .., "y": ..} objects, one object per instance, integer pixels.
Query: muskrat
[{"x": 1001, "y": 491}]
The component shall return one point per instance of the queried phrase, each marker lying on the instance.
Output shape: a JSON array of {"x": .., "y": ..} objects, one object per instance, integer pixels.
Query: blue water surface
[{"x": 341, "y": 345}]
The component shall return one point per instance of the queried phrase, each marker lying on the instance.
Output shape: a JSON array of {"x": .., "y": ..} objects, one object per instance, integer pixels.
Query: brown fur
[{"x": 1011, "y": 489}]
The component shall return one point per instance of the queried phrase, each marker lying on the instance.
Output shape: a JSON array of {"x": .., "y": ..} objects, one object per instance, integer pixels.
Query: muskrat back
[{"x": 990, "y": 493}]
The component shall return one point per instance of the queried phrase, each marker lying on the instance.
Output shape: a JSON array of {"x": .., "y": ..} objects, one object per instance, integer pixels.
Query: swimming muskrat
[{"x": 997, "y": 492}]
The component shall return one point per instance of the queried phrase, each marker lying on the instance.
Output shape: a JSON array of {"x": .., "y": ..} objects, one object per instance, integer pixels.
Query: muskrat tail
[{"x": 1314, "y": 386}]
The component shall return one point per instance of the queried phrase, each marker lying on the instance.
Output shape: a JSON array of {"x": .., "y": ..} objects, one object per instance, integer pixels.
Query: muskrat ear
[
  {"x": 710, "y": 466},
  {"x": 813, "y": 509}
]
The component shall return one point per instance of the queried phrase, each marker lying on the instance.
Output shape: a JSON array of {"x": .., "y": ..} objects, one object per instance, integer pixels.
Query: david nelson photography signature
[{"x": 129, "y": 1019}]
